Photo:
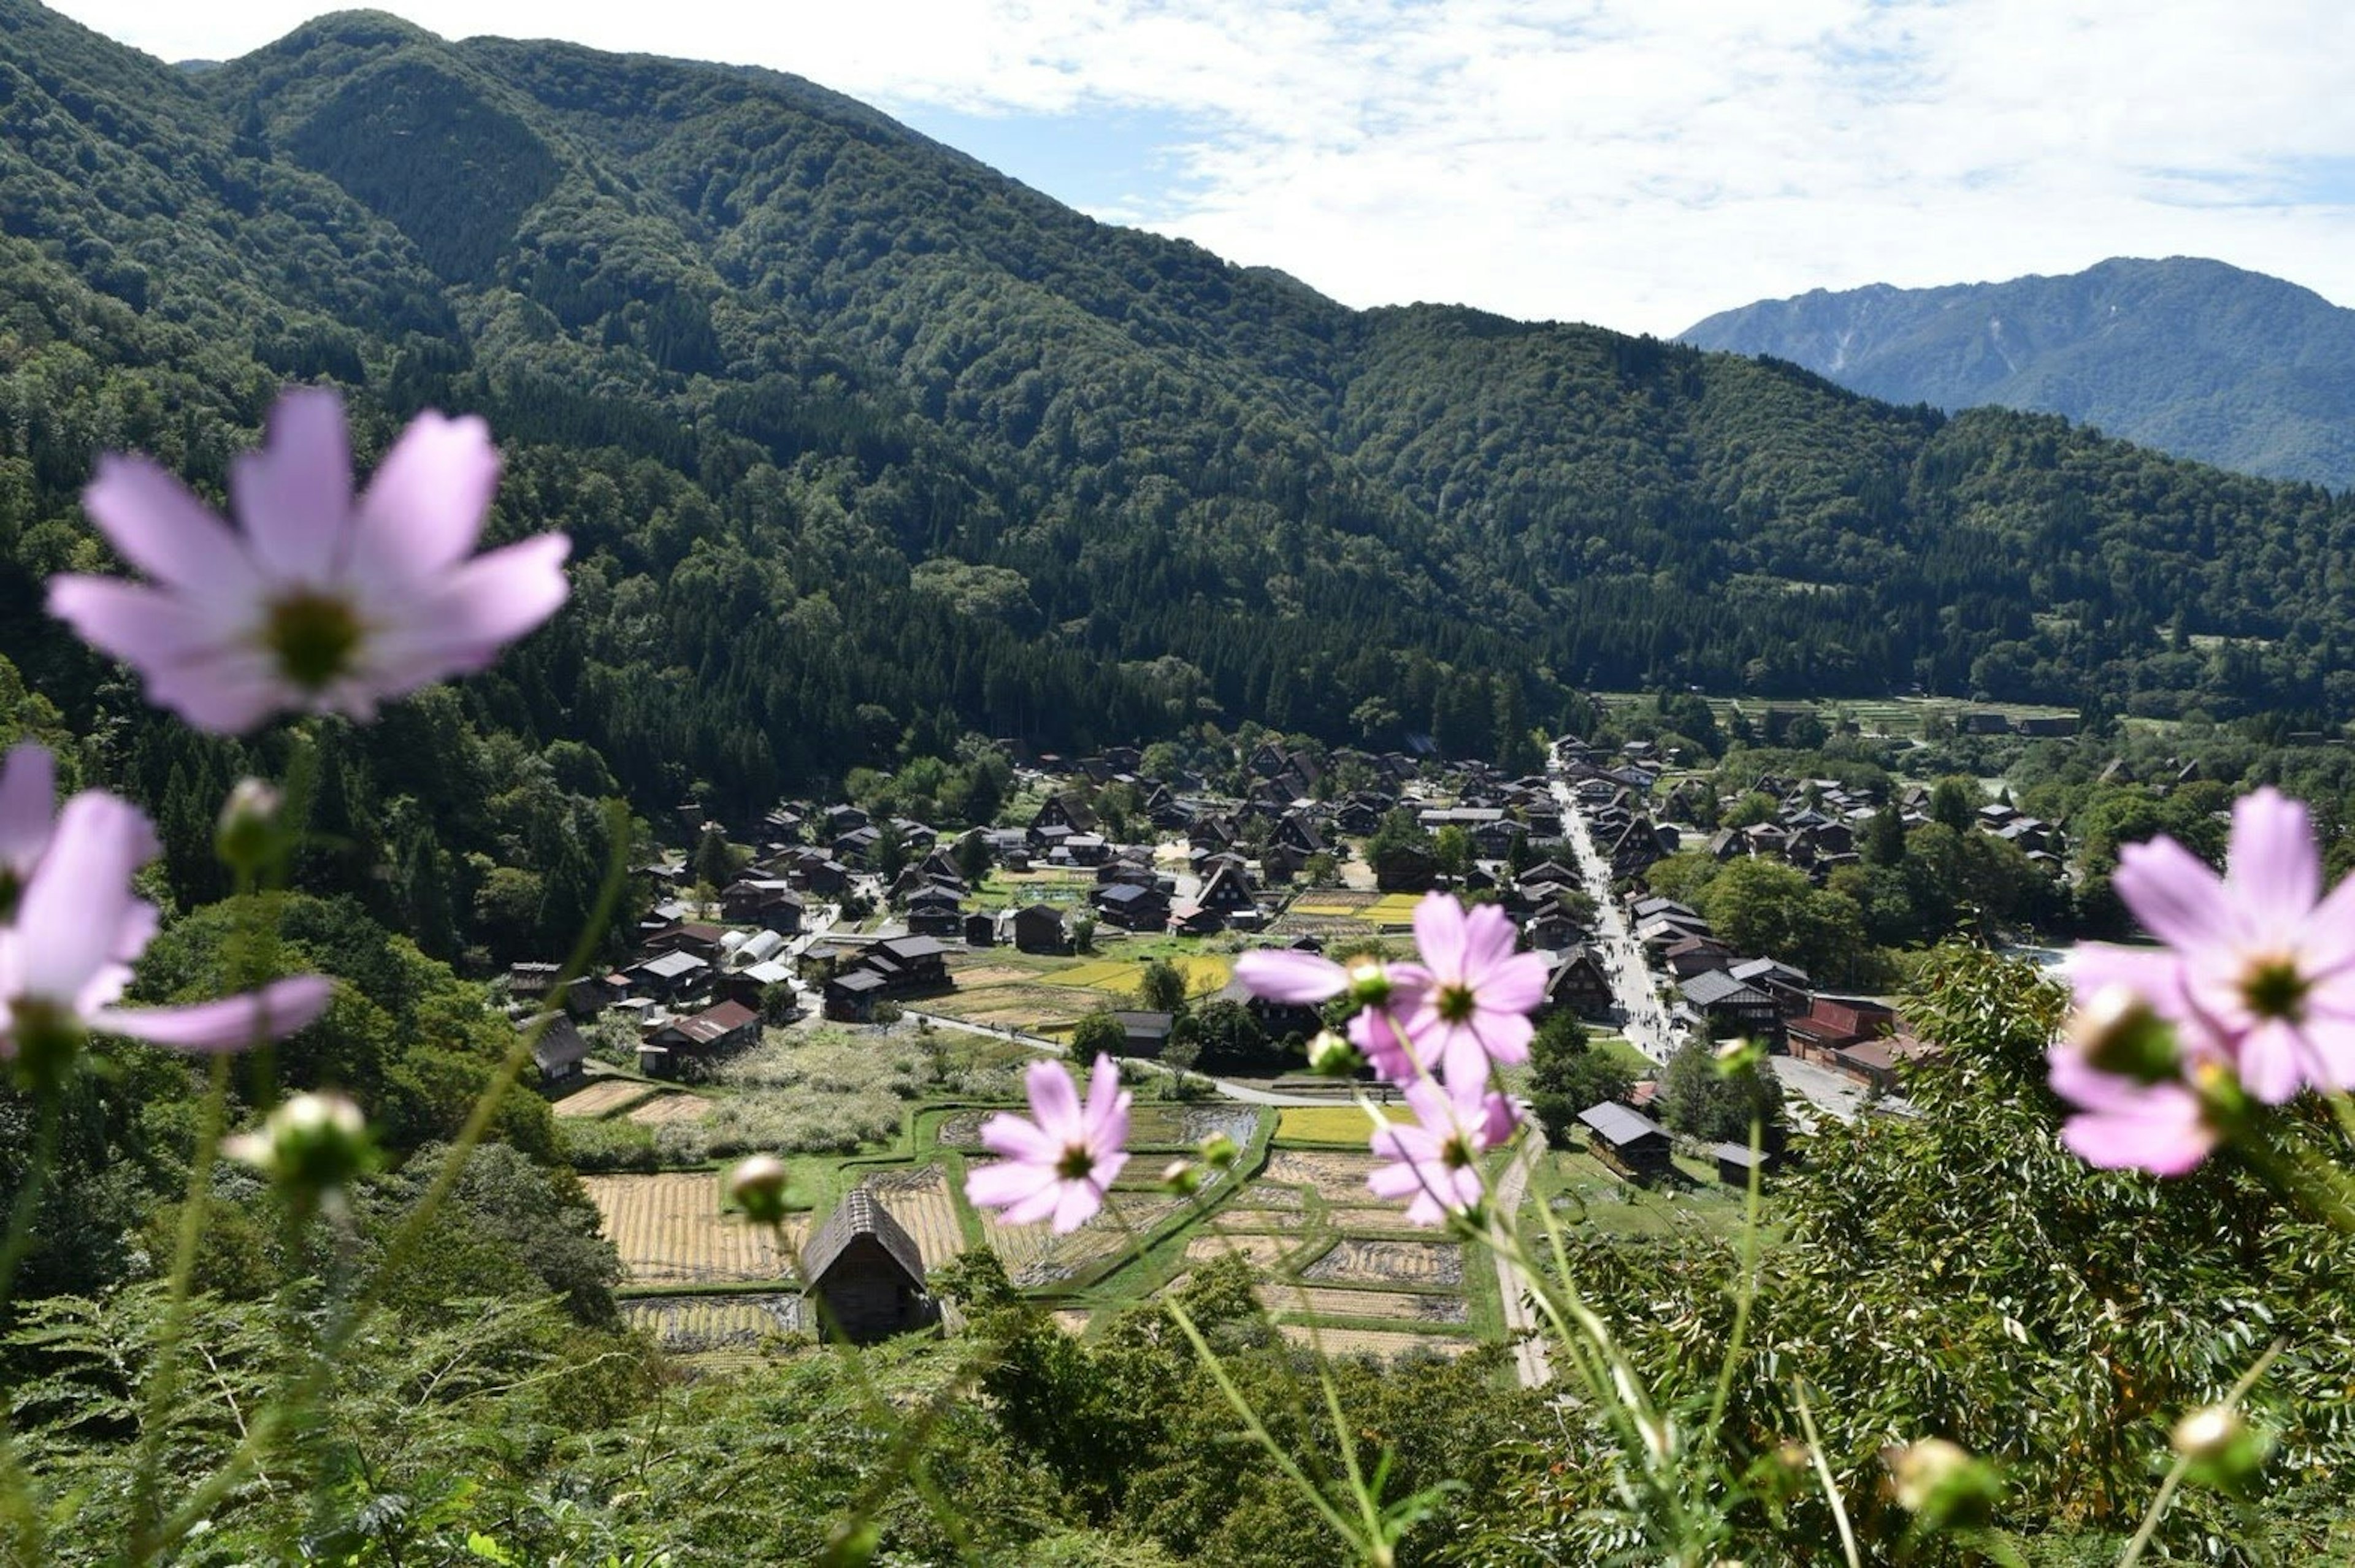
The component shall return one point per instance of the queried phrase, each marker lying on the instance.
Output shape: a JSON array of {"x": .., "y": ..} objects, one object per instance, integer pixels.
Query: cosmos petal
[
  {"x": 231, "y": 1023},
  {"x": 28, "y": 800},
  {"x": 158, "y": 526},
  {"x": 427, "y": 502},
  {"x": 1301, "y": 979},
  {"x": 293, "y": 494},
  {"x": 2175, "y": 895}
]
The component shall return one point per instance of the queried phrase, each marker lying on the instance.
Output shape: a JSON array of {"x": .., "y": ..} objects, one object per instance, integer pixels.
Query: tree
[
  {"x": 1701, "y": 1102},
  {"x": 1321, "y": 869},
  {"x": 715, "y": 861},
  {"x": 1884, "y": 837},
  {"x": 1451, "y": 847},
  {"x": 973, "y": 858},
  {"x": 1162, "y": 987},
  {"x": 890, "y": 854},
  {"x": 1765, "y": 908},
  {"x": 1567, "y": 1075},
  {"x": 1098, "y": 1034},
  {"x": 1230, "y": 1037},
  {"x": 1954, "y": 804}
]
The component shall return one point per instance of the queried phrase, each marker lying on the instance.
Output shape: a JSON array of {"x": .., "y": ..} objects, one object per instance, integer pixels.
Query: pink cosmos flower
[
  {"x": 75, "y": 926},
  {"x": 2260, "y": 969},
  {"x": 1475, "y": 1009},
  {"x": 317, "y": 602},
  {"x": 1061, "y": 1166},
  {"x": 1436, "y": 1158},
  {"x": 2119, "y": 1124},
  {"x": 1390, "y": 991}
]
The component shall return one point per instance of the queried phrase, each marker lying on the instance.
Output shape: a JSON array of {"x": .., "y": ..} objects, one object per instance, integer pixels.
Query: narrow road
[
  {"x": 1644, "y": 1022},
  {"x": 1529, "y": 1363},
  {"x": 1242, "y": 1093}
]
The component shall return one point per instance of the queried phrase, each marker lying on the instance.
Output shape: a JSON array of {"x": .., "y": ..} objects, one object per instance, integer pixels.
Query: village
[{"x": 894, "y": 976}]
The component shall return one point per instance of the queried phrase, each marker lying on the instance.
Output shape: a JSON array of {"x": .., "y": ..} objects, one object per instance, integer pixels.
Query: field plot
[
  {"x": 604, "y": 1097},
  {"x": 1336, "y": 1177},
  {"x": 691, "y": 1323},
  {"x": 1359, "y": 1260},
  {"x": 1150, "y": 1125},
  {"x": 920, "y": 1200},
  {"x": 1269, "y": 1195},
  {"x": 1323, "y": 1125},
  {"x": 1204, "y": 972},
  {"x": 1034, "y": 1254},
  {"x": 1264, "y": 1253},
  {"x": 664, "y": 1109},
  {"x": 1382, "y": 1344},
  {"x": 670, "y": 1231},
  {"x": 1330, "y": 1301},
  {"x": 1025, "y": 1004},
  {"x": 984, "y": 975}
]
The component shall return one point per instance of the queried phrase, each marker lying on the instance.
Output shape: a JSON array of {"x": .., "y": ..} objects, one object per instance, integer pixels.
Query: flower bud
[
  {"x": 2220, "y": 1449},
  {"x": 1370, "y": 982},
  {"x": 1331, "y": 1056},
  {"x": 1219, "y": 1151},
  {"x": 1942, "y": 1485},
  {"x": 313, "y": 1147},
  {"x": 246, "y": 838},
  {"x": 1738, "y": 1058},
  {"x": 2118, "y": 1034},
  {"x": 1180, "y": 1176},
  {"x": 757, "y": 1185}
]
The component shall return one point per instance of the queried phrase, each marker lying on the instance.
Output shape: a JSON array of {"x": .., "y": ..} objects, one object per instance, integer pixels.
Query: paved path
[
  {"x": 1521, "y": 1324},
  {"x": 1643, "y": 1019}
]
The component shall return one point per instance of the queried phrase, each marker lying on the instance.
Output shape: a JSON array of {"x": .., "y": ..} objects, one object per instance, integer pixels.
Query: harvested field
[
  {"x": 1034, "y": 1254},
  {"x": 665, "y": 1109},
  {"x": 1326, "y": 1301},
  {"x": 1266, "y": 1194},
  {"x": 604, "y": 1097},
  {"x": 692, "y": 1323},
  {"x": 1323, "y": 1125},
  {"x": 1025, "y": 1005},
  {"x": 1354, "y": 1261},
  {"x": 1149, "y": 1126},
  {"x": 1263, "y": 1251},
  {"x": 1382, "y": 1344},
  {"x": 920, "y": 1200},
  {"x": 1336, "y": 1178},
  {"x": 670, "y": 1231},
  {"x": 982, "y": 975}
]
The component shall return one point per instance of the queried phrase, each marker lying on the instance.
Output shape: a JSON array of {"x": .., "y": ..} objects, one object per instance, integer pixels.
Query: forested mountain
[
  {"x": 2192, "y": 357},
  {"x": 863, "y": 447}
]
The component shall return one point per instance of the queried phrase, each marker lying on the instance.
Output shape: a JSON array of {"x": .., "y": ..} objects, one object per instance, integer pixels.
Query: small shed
[
  {"x": 1633, "y": 1140},
  {"x": 560, "y": 1054},
  {"x": 866, "y": 1273},
  {"x": 1735, "y": 1162}
]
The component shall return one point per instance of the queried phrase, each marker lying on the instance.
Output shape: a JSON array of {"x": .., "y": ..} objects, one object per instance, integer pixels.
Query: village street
[{"x": 1646, "y": 1022}]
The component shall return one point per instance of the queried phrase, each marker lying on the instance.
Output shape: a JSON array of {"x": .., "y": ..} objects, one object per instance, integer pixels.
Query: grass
[{"x": 1624, "y": 1054}]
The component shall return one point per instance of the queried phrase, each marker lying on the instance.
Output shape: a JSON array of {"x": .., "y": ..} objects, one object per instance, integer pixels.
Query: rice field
[
  {"x": 1027, "y": 1005},
  {"x": 1204, "y": 972},
  {"x": 1323, "y": 1125},
  {"x": 1035, "y": 1255},
  {"x": 1355, "y": 1260},
  {"x": 919, "y": 1199},
  {"x": 604, "y": 1097},
  {"x": 1382, "y": 1344},
  {"x": 1264, "y": 1253},
  {"x": 1336, "y": 1177},
  {"x": 665, "y": 1109},
  {"x": 669, "y": 1229},
  {"x": 687, "y": 1324},
  {"x": 1150, "y": 1125},
  {"x": 1330, "y": 1301}
]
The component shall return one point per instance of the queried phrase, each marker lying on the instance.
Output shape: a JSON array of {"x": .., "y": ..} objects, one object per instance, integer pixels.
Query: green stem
[
  {"x": 1749, "y": 1291},
  {"x": 163, "y": 1380},
  {"x": 2175, "y": 1472},
  {"x": 47, "y": 1130},
  {"x": 1824, "y": 1474}
]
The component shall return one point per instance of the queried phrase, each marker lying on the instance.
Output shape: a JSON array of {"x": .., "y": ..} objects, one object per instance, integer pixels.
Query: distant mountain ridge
[{"x": 2196, "y": 358}]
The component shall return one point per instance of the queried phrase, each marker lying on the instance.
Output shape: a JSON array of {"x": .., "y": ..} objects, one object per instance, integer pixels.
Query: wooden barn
[{"x": 866, "y": 1272}]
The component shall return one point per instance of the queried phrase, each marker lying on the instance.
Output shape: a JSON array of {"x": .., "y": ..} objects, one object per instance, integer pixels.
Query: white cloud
[{"x": 1638, "y": 163}]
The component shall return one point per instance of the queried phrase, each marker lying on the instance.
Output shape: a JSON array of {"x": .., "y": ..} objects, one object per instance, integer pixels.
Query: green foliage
[
  {"x": 1098, "y": 1032},
  {"x": 1701, "y": 1102},
  {"x": 1162, "y": 987},
  {"x": 1567, "y": 1075}
]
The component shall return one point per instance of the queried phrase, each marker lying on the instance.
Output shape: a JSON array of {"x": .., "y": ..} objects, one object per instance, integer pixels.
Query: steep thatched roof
[{"x": 859, "y": 1215}]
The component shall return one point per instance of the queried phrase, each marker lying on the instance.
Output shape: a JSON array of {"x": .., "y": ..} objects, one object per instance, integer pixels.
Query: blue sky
[{"x": 1636, "y": 163}]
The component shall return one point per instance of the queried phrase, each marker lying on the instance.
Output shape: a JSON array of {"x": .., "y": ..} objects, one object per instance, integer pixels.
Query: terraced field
[
  {"x": 1336, "y": 1178},
  {"x": 670, "y": 1231},
  {"x": 1359, "y": 1261},
  {"x": 920, "y": 1200},
  {"x": 1035, "y": 1255},
  {"x": 1382, "y": 1344},
  {"x": 604, "y": 1097},
  {"x": 1327, "y": 1301},
  {"x": 666, "y": 1108},
  {"x": 687, "y": 1324},
  {"x": 1150, "y": 1125}
]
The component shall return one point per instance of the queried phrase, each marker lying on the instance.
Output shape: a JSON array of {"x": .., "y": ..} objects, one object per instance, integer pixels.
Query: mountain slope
[
  {"x": 2192, "y": 357},
  {"x": 863, "y": 445}
]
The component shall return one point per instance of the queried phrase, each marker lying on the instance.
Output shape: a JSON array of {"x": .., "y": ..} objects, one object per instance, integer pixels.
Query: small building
[
  {"x": 1628, "y": 1138},
  {"x": 866, "y": 1274},
  {"x": 1736, "y": 1161},
  {"x": 1041, "y": 928},
  {"x": 561, "y": 1055},
  {"x": 981, "y": 930},
  {"x": 850, "y": 996},
  {"x": 1134, "y": 908},
  {"x": 729, "y": 1026},
  {"x": 1147, "y": 1032},
  {"x": 1730, "y": 1008},
  {"x": 1579, "y": 983},
  {"x": 935, "y": 911}
]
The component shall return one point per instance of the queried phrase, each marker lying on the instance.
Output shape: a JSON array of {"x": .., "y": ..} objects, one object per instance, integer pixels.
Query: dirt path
[{"x": 1530, "y": 1362}]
